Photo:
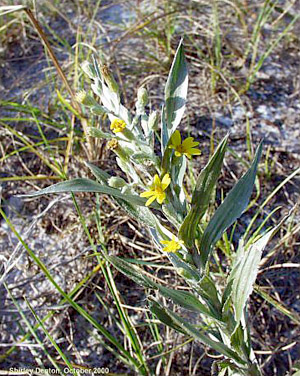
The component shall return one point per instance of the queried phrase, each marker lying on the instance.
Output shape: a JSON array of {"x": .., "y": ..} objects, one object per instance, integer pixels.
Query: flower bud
[
  {"x": 98, "y": 110},
  {"x": 89, "y": 70},
  {"x": 116, "y": 148},
  {"x": 142, "y": 96},
  {"x": 184, "y": 273},
  {"x": 86, "y": 99},
  {"x": 116, "y": 182},
  {"x": 153, "y": 121},
  {"x": 112, "y": 144},
  {"x": 109, "y": 79},
  {"x": 126, "y": 190},
  {"x": 80, "y": 96}
]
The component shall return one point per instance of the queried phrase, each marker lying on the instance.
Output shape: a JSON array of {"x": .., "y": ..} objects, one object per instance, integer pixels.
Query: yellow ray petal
[
  {"x": 150, "y": 200},
  {"x": 194, "y": 151},
  {"x": 156, "y": 180},
  {"x": 165, "y": 181},
  {"x": 147, "y": 194},
  {"x": 176, "y": 138},
  {"x": 160, "y": 198},
  {"x": 189, "y": 142}
]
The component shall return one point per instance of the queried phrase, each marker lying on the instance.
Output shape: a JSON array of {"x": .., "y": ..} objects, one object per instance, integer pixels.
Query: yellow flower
[
  {"x": 112, "y": 144},
  {"x": 117, "y": 125},
  {"x": 157, "y": 189},
  {"x": 186, "y": 147},
  {"x": 172, "y": 245}
]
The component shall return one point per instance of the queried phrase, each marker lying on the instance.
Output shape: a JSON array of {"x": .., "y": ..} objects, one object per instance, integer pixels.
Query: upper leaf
[
  {"x": 231, "y": 208},
  {"x": 175, "y": 93},
  {"x": 244, "y": 273},
  {"x": 202, "y": 194}
]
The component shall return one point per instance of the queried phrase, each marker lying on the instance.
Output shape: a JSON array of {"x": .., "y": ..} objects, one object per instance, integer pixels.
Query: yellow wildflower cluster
[
  {"x": 157, "y": 189},
  {"x": 117, "y": 125},
  {"x": 112, "y": 144},
  {"x": 187, "y": 147},
  {"x": 172, "y": 245}
]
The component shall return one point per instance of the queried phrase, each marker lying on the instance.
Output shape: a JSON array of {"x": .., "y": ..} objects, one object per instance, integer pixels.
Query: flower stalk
[{"x": 182, "y": 229}]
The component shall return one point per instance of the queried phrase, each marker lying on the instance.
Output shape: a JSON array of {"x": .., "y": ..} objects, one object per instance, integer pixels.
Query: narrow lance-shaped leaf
[
  {"x": 190, "y": 272},
  {"x": 183, "y": 298},
  {"x": 177, "y": 175},
  {"x": 99, "y": 174},
  {"x": 244, "y": 273},
  {"x": 164, "y": 134},
  {"x": 202, "y": 194},
  {"x": 231, "y": 208},
  {"x": 170, "y": 317},
  {"x": 87, "y": 185},
  {"x": 141, "y": 213},
  {"x": 95, "y": 132},
  {"x": 162, "y": 315},
  {"x": 175, "y": 93},
  {"x": 109, "y": 98},
  {"x": 186, "y": 300},
  {"x": 133, "y": 272},
  {"x": 208, "y": 291}
]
